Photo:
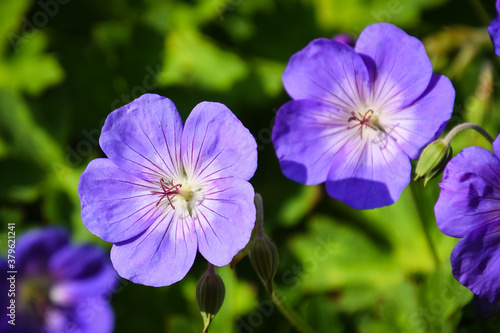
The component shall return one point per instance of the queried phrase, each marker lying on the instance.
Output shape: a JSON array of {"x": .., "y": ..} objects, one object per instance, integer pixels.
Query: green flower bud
[
  {"x": 433, "y": 160},
  {"x": 264, "y": 259},
  {"x": 210, "y": 292}
]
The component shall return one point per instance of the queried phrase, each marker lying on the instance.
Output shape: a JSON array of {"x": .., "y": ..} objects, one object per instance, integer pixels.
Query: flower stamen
[
  {"x": 168, "y": 192},
  {"x": 363, "y": 119}
]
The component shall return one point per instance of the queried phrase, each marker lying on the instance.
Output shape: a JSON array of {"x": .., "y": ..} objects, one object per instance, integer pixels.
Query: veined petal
[
  {"x": 416, "y": 125},
  {"x": 368, "y": 173},
  {"x": 161, "y": 255},
  {"x": 116, "y": 205},
  {"x": 81, "y": 271},
  {"x": 398, "y": 63},
  {"x": 224, "y": 219},
  {"x": 305, "y": 136},
  {"x": 470, "y": 192},
  {"x": 328, "y": 71},
  {"x": 476, "y": 261},
  {"x": 215, "y": 144},
  {"x": 143, "y": 138}
]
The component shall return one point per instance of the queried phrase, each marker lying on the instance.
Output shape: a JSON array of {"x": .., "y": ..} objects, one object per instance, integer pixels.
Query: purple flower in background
[
  {"x": 358, "y": 115},
  {"x": 59, "y": 287},
  {"x": 167, "y": 190},
  {"x": 494, "y": 30},
  {"x": 469, "y": 208}
]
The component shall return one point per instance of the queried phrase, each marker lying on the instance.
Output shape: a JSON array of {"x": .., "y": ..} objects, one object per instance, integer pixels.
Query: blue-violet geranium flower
[
  {"x": 167, "y": 190},
  {"x": 358, "y": 115},
  {"x": 494, "y": 30},
  {"x": 59, "y": 286},
  {"x": 469, "y": 208}
]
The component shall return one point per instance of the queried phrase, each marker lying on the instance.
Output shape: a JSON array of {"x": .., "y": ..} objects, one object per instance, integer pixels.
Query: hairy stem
[
  {"x": 464, "y": 126},
  {"x": 425, "y": 229},
  {"x": 259, "y": 222},
  {"x": 292, "y": 317}
]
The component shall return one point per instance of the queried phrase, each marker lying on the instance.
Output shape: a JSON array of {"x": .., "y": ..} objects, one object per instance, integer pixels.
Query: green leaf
[
  {"x": 29, "y": 69},
  {"x": 297, "y": 206},
  {"x": 357, "y": 14},
  {"x": 193, "y": 59},
  {"x": 334, "y": 255}
]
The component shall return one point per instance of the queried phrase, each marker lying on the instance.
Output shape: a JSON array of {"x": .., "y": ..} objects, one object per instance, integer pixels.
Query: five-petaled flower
[
  {"x": 494, "y": 30},
  {"x": 167, "y": 190},
  {"x": 469, "y": 208},
  {"x": 358, "y": 115},
  {"x": 59, "y": 286}
]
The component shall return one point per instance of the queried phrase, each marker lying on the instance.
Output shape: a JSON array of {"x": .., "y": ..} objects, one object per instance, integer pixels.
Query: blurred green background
[{"x": 66, "y": 64}]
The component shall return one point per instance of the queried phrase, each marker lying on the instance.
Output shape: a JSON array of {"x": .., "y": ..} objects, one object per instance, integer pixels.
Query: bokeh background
[{"x": 66, "y": 64}]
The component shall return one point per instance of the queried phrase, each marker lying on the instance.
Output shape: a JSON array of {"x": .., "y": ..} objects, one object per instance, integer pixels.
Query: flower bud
[
  {"x": 210, "y": 292},
  {"x": 264, "y": 259},
  {"x": 433, "y": 160}
]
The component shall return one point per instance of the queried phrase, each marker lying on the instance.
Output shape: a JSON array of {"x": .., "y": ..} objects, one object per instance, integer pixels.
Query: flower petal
[
  {"x": 470, "y": 192},
  {"x": 305, "y": 135},
  {"x": 161, "y": 255},
  {"x": 398, "y": 62},
  {"x": 116, "y": 205},
  {"x": 368, "y": 173},
  {"x": 476, "y": 261},
  {"x": 496, "y": 144},
  {"x": 92, "y": 315},
  {"x": 416, "y": 125},
  {"x": 224, "y": 219},
  {"x": 329, "y": 71},
  {"x": 494, "y": 31},
  {"x": 81, "y": 271},
  {"x": 216, "y": 144},
  {"x": 143, "y": 137},
  {"x": 36, "y": 246}
]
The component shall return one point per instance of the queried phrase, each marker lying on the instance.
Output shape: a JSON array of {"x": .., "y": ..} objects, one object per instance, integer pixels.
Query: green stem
[
  {"x": 426, "y": 231},
  {"x": 464, "y": 126},
  {"x": 292, "y": 317},
  {"x": 481, "y": 12}
]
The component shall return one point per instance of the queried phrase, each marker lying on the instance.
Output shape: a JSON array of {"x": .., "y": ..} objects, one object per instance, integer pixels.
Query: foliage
[{"x": 342, "y": 270}]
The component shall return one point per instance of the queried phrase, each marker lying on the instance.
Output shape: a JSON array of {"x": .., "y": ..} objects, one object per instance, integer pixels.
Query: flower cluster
[
  {"x": 469, "y": 208},
  {"x": 167, "y": 190},
  {"x": 61, "y": 287},
  {"x": 358, "y": 115}
]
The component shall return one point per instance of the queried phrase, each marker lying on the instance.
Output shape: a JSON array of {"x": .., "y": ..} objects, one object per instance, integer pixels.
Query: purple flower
[
  {"x": 166, "y": 191},
  {"x": 59, "y": 287},
  {"x": 494, "y": 30},
  {"x": 469, "y": 208},
  {"x": 358, "y": 115}
]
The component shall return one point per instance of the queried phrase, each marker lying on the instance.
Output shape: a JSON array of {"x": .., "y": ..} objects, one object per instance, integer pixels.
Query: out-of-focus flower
[
  {"x": 469, "y": 208},
  {"x": 494, "y": 30},
  {"x": 167, "y": 190},
  {"x": 59, "y": 287},
  {"x": 359, "y": 115}
]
